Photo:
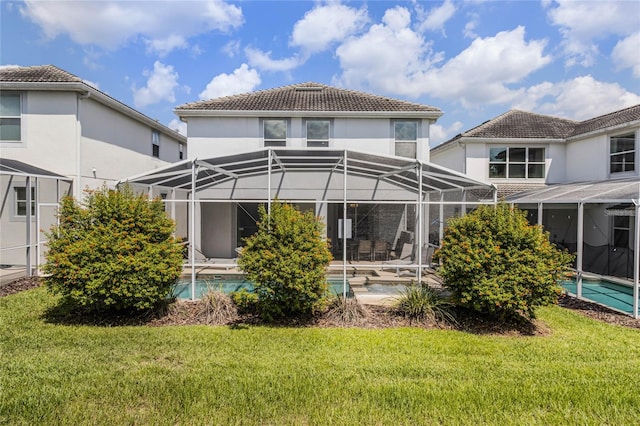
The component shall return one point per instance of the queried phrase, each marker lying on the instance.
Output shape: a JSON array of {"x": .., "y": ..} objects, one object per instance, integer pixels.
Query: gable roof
[
  {"x": 308, "y": 97},
  {"x": 515, "y": 124},
  {"x": 50, "y": 77}
]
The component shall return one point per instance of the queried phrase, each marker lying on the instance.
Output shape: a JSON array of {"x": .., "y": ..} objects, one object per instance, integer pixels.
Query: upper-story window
[
  {"x": 180, "y": 151},
  {"x": 10, "y": 111},
  {"x": 155, "y": 143},
  {"x": 622, "y": 153},
  {"x": 516, "y": 163},
  {"x": 406, "y": 136},
  {"x": 275, "y": 132},
  {"x": 20, "y": 198},
  {"x": 318, "y": 133}
]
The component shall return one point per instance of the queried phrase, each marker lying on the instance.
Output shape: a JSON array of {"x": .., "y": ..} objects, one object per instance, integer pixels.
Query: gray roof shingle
[
  {"x": 615, "y": 118},
  {"x": 515, "y": 124},
  {"x": 37, "y": 74},
  {"x": 520, "y": 125},
  {"x": 307, "y": 97}
]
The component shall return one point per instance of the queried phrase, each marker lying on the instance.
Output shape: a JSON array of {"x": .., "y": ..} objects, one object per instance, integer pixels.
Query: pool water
[
  {"x": 236, "y": 283},
  {"x": 610, "y": 294}
]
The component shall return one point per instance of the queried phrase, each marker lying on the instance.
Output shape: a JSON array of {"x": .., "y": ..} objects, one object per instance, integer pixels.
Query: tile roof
[
  {"x": 515, "y": 124},
  {"x": 520, "y": 125},
  {"x": 37, "y": 74},
  {"x": 615, "y": 118},
  {"x": 307, "y": 97}
]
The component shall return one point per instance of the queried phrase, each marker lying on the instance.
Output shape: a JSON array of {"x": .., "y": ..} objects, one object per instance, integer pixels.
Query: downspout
[{"x": 78, "y": 185}]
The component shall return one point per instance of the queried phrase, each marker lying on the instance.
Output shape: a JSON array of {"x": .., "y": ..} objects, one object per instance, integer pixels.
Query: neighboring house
[
  {"x": 359, "y": 161},
  {"x": 52, "y": 120},
  {"x": 580, "y": 179}
]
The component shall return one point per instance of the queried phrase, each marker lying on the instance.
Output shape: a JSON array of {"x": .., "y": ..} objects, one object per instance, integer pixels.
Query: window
[
  {"x": 621, "y": 231},
  {"x": 275, "y": 132},
  {"x": 20, "y": 197},
  {"x": 318, "y": 133},
  {"x": 10, "y": 117},
  {"x": 155, "y": 143},
  {"x": 406, "y": 135},
  {"x": 622, "y": 153},
  {"x": 180, "y": 151},
  {"x": 516, "y": 163}
]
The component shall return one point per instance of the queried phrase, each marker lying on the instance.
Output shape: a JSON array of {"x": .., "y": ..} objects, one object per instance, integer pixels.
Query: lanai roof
[
  {"x": 308, "y": 97},
  {"x": 18, "y": 168},
  {"x": 401, "y": 172}
]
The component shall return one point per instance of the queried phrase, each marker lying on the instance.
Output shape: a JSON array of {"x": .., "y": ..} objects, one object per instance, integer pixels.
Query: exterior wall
[
  {"x": 453, "y": 158},
  {"x": 218, "y": 136},
  {"x": 49, "y": 130},
  {"x": 117, "y": 146},
  {"x": 66, "y": 134},
  {"x": 587, "y": 159}
]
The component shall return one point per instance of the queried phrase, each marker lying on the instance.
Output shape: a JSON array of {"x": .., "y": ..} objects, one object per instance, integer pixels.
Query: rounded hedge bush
[
  {"x": 116, "y": 252},
  {"x": 286, "y": 260},
  {"x": 495, "y": 262}
]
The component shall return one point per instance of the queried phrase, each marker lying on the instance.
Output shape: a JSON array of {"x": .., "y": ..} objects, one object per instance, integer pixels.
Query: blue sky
[{"x": 472, "y": 59}]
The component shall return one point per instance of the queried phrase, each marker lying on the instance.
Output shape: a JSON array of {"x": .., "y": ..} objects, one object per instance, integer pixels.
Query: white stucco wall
[
  {"x": 218, "y": 136},
  {"x": 587, "y": 159},
  {"x": 451, "y": 157}
]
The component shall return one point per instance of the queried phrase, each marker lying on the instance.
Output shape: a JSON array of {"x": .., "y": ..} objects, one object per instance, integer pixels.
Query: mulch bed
[{"x": 192, "y": 313}]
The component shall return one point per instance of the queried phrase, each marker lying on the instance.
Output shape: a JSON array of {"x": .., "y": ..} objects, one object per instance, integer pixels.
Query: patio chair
[
  {"x": 405, "y": 258},
  {"x": 364, "y": 249},
  {"x": 380, "y": 248}
]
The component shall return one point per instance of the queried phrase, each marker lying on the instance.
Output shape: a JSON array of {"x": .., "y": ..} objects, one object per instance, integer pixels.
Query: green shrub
[
  {"x": 286, "y": 261},
  {"x": 494, "y": 262},
  {"x": 246, "y": 301},
  {"x": 116, "y": 252},
  {"x": 421, "y": 303}
]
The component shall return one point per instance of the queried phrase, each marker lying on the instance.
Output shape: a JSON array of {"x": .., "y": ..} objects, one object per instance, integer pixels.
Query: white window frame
[
  {"x": 508, "y": 162},
  {"x": 318, "y": 143},
  {"x": 400, "y": 145},
  {"x": 17, "y": 201},
  {"x": 14, "y": 117},
  {"x": 155, "y": 143},
  {"x": 623, "y": 154},
  {"x": 275, "y": 142}
]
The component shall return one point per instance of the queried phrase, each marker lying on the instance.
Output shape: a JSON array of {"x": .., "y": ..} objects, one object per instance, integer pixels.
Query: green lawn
[{"x": 584, "y": 373}]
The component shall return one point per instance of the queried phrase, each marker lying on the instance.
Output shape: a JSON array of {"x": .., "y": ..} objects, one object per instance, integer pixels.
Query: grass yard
[{"x": 586, "y": 372}]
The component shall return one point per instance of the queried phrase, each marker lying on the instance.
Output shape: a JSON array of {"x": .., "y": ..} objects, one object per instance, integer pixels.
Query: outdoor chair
[
  {"x": 364, "y": 249},
  {"x": 380, "y": 249}
]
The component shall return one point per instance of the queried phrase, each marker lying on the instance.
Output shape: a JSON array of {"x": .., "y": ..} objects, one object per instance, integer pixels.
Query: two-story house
[
  {"x": 359, "y": 161},
  {"x": 579, "y": 179},
  {"x": 55, "y": 124}
]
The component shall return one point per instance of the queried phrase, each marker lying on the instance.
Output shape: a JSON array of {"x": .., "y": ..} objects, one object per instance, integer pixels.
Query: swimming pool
[
  {"x": 231, "y": 283},
  {"x": 613, "y": 295}
]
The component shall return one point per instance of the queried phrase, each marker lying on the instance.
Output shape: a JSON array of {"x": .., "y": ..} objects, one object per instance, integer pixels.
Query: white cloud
[
  {"x": 109, "y": 24},
  {"x": 577, "y": 99},
  {"x": 161, "y": 85},
  {"x": 164, "y": 46},
  {"x": 242, "y": 80},
  {"x": 583, "y": 23},
  {"x": 626, "y": 53},
  {"x": 392, "y": 58},
  {"x": 439, "y": 133},
  {"x": 437, "y": 17},
  {"x": 179, "y": 126},
  {"x": 326, "y": 24},
  {"x": 232, "y": 48},
  {"x": 262, "y": 60}
]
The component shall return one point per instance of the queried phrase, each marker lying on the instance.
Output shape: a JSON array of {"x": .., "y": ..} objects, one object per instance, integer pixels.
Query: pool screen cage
[
  {"x": 599, "y": 222},
  {"x": 378, "y": 211},
  {"x": 30, "y": 201}
]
